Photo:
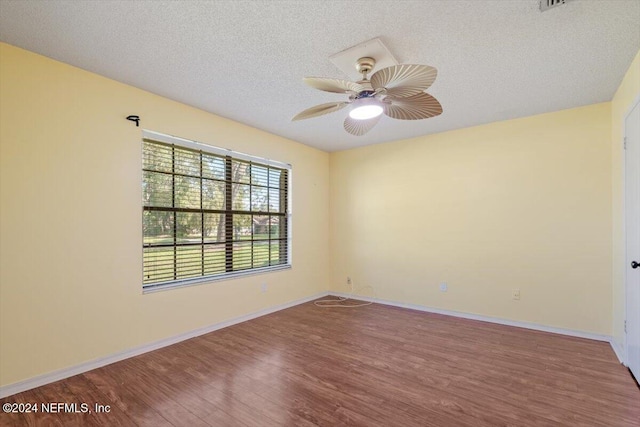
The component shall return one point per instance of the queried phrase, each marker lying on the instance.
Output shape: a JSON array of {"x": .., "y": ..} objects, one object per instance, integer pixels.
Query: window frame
[{"x": 161, "y": 138}]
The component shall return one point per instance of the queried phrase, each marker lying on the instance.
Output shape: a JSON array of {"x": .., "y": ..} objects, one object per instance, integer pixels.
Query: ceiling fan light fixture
[{"x": 365, "y": 109}]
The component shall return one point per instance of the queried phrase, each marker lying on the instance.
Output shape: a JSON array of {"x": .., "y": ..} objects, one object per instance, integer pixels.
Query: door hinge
[
  {"x": 625, "y": 326},
  {"x": 624, "y": 143}
]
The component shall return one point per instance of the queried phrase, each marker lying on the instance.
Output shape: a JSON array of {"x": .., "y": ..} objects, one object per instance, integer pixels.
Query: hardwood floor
[{"x": 368, "y": 366}]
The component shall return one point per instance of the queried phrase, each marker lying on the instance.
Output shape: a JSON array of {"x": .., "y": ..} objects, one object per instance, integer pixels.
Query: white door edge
[{"x": 625, "y": 341}]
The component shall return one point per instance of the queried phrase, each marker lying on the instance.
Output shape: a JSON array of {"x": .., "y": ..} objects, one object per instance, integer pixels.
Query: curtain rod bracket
[{"x": 134, "y": 119}]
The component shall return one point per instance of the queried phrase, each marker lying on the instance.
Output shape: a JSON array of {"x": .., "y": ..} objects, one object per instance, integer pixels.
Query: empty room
[{"x": 320, "y": 213}]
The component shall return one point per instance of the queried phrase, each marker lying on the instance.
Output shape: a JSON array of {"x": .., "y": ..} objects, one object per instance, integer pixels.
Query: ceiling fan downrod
[{"x": 364, "y": 66}]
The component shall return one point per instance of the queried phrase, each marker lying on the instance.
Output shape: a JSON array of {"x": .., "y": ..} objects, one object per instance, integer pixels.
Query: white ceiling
[{"x": 245, "y": 60}]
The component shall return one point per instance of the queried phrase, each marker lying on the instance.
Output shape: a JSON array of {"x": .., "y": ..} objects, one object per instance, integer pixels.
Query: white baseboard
[
  {"x": 618, "y": 350},
  {"x": 50, "y": 377},
  {"x": 527, "y": 325}
]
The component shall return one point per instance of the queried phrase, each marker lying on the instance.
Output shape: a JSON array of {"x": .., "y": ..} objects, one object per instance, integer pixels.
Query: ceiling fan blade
[
  {"x": 320, "y": 110},
  {"x": 421, "y": 106},
  {"x": 360, "y": 127},
  {"x": 333, "y": 85},
  {"x": 404, "y": 80}
]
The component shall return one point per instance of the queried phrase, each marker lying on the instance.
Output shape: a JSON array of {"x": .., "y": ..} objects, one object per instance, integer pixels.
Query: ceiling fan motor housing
[{"x": 365, "y": 94}]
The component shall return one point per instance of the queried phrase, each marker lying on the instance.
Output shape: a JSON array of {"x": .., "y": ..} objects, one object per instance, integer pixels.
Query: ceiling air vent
[{"x": 549, "y": 4}]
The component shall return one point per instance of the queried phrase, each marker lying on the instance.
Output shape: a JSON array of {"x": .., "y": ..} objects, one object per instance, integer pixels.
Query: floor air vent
[{"x": 549, "y": 4}]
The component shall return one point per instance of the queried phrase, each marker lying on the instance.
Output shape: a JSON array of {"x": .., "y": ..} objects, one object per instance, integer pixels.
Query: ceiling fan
[{"x": 396, "y": 91}]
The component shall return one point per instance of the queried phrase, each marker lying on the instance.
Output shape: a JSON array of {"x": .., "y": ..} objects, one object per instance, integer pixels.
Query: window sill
[{"x": 202, "y": 280}]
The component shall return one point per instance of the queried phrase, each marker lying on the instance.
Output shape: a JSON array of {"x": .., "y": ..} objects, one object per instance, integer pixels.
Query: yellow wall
[
  {"x": 70, "y": 219},
  {"x": 522, "y": 204},
  {"x": 625, "y": 95}
]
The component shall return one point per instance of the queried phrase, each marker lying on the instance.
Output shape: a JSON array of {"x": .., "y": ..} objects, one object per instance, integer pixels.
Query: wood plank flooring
[{"x": 367, "y": 366}]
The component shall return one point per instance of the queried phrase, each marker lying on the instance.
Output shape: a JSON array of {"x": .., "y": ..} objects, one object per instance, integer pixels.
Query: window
[{"x": 210, "y": 213}]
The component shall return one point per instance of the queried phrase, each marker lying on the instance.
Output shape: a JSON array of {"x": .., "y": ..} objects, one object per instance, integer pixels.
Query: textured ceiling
[{"x": 245, "y": 60}]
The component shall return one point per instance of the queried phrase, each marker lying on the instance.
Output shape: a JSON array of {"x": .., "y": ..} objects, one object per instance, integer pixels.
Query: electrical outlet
[
  {"x": 515, "y": 294},
  {"x": 263, "y": 287},
  {"x": 443, "y": 287},
  {"x": 348, "y": 280}
]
